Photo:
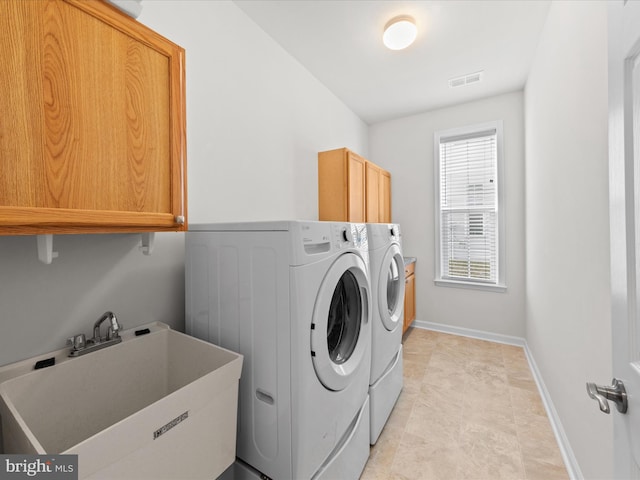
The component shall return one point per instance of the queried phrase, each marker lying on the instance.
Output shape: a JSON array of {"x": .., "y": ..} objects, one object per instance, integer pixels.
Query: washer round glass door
[
  {"x": 391, "y": 288},
  {"x": 340, "y": 331}
]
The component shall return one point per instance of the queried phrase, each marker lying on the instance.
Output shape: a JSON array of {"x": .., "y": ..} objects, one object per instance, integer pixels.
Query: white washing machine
[
  {"x": 294, "y": 298},
  {"x": 387, "y": 285}
]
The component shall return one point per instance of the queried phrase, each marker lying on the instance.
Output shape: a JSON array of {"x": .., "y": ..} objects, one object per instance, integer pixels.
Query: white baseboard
[
  {"x": 468, "y": 332},
  {"x": 570, "y": 462}
]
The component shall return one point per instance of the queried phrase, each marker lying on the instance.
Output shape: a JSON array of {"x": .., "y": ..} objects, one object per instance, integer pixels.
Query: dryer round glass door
[
  {"x": 391, "y": 288},
  {"x": 340, "y": 330}
]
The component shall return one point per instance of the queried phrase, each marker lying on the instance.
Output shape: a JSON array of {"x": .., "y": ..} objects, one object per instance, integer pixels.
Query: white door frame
[{"x": 624, "y": 32}]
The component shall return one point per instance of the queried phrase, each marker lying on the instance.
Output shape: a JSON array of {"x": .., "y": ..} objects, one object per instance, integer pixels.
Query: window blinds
[{"x": 469, "y": 207}]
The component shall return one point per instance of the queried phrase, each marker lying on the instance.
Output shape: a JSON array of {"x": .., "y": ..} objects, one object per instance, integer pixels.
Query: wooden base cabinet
[
  {"x": 92, "y": 132},
  {"x": 409, "y": 295},
  {"x": 352, "y": 189}
]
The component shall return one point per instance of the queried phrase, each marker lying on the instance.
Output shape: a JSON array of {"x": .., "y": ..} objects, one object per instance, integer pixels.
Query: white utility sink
[{"x": 159, "y": 405}]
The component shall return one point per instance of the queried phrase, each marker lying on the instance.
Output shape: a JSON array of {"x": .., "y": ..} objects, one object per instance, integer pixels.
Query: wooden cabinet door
[
  {"x": 355, "y": 188},
  {"x": 409, "y": 301},
  {"x": 92, "y": 131},
  {"x": 352, "y": 189},
  {"x": 372, "y": 191},
  {"x": 384, "y": 197},
  {"x": 409, "y": 295}
]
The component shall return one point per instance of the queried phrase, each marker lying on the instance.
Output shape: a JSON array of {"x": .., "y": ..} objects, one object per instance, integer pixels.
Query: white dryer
[
  {"x": 387, "y": 285},
  {"x": 294, "y": 298}
]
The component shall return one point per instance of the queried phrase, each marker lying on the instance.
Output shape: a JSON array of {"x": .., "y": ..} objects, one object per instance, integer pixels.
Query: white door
[
  {"x": 391, "y": 289},
  {"x": 624, "y": 186},
  {"x": 340, "y": 329}
]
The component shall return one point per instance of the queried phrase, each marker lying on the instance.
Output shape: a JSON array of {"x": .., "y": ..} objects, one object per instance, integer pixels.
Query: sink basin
[{"x": 159, "y": 405}]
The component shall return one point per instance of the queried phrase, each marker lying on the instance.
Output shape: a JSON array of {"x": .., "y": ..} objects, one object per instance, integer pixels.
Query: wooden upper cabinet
[
  {"x": 372, "y": 192},
  {"x": 92, "y": 129},
  {"x": 378, "y": 194},
  {"x": 356, "y": 175},
  {"x": 341, "y": 186},
  {"x": 352, "y": 189},
  {"x": 384, "y": 197}
]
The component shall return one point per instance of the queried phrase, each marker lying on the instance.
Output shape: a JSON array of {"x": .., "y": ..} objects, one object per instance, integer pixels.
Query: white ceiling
[{"x": 340, "y": 43}]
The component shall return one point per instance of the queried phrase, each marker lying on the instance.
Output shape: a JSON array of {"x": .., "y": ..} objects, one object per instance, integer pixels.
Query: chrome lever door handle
[
  {"x": 616, "y": 393},
  {"x": 592, "y": 390}
]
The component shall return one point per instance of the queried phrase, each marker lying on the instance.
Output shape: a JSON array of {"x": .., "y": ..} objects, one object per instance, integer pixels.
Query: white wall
[
  {"x": 256, "y": 118},
  {"x": 42, "y": 305},
  {"x": 568, "y": 301},
  {"x": 255, "y": 122},
  {"x": 405, "y": 148}
]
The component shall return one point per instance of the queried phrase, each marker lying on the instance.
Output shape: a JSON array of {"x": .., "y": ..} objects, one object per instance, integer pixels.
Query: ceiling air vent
[{"x": 465, "y": 79}]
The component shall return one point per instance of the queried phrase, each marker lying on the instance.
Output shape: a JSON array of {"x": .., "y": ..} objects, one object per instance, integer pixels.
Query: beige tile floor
[{"x": 469, "y": 409}]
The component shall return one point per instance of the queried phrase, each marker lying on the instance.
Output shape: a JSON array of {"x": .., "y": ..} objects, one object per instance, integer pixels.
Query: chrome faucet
[
  {"x": 112, "y": 330},
  {"x": 80, "y": 345}
]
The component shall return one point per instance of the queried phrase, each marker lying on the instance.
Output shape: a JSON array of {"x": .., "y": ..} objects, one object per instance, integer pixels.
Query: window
[{"x": 469, "y": 243}]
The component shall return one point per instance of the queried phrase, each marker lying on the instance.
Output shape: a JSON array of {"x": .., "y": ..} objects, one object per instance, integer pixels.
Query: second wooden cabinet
[
  {"x": 352, "y": 189},
  {"x": 385, "y": 197}
]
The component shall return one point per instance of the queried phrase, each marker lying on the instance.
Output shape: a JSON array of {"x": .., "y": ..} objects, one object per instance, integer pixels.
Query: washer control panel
[{"x": 350, "y": 235}]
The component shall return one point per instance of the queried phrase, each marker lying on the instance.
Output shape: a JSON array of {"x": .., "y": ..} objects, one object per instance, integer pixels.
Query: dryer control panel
[
  {"x": 394, "y": 232},
  {"x": 381, "y": 235}
]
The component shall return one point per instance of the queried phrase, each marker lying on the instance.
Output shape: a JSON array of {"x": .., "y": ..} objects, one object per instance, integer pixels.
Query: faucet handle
[
  {"x": 114, "y": 327},
  {"x": 77, "y": 342},
  {"x": 112, "y": 331}
]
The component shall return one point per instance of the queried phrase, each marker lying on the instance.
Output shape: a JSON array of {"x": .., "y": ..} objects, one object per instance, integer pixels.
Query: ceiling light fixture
[{"x": 399, "y": 32}]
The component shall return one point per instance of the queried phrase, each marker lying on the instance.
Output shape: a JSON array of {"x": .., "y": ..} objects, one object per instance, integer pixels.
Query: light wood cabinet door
[
  {"x": 409, "y": 297},
  {"x": 372, "y": 192},
  {"x": 352, "y": 189},
  {"x": 384, "y": 197},
  {"x": 92, "y": 131},
  {"x": 356, "y": 188},
  {"x": 341, "y": 186}
]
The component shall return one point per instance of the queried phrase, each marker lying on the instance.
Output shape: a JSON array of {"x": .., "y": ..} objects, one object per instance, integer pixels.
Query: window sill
[{"x": 470, "y": 285}]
